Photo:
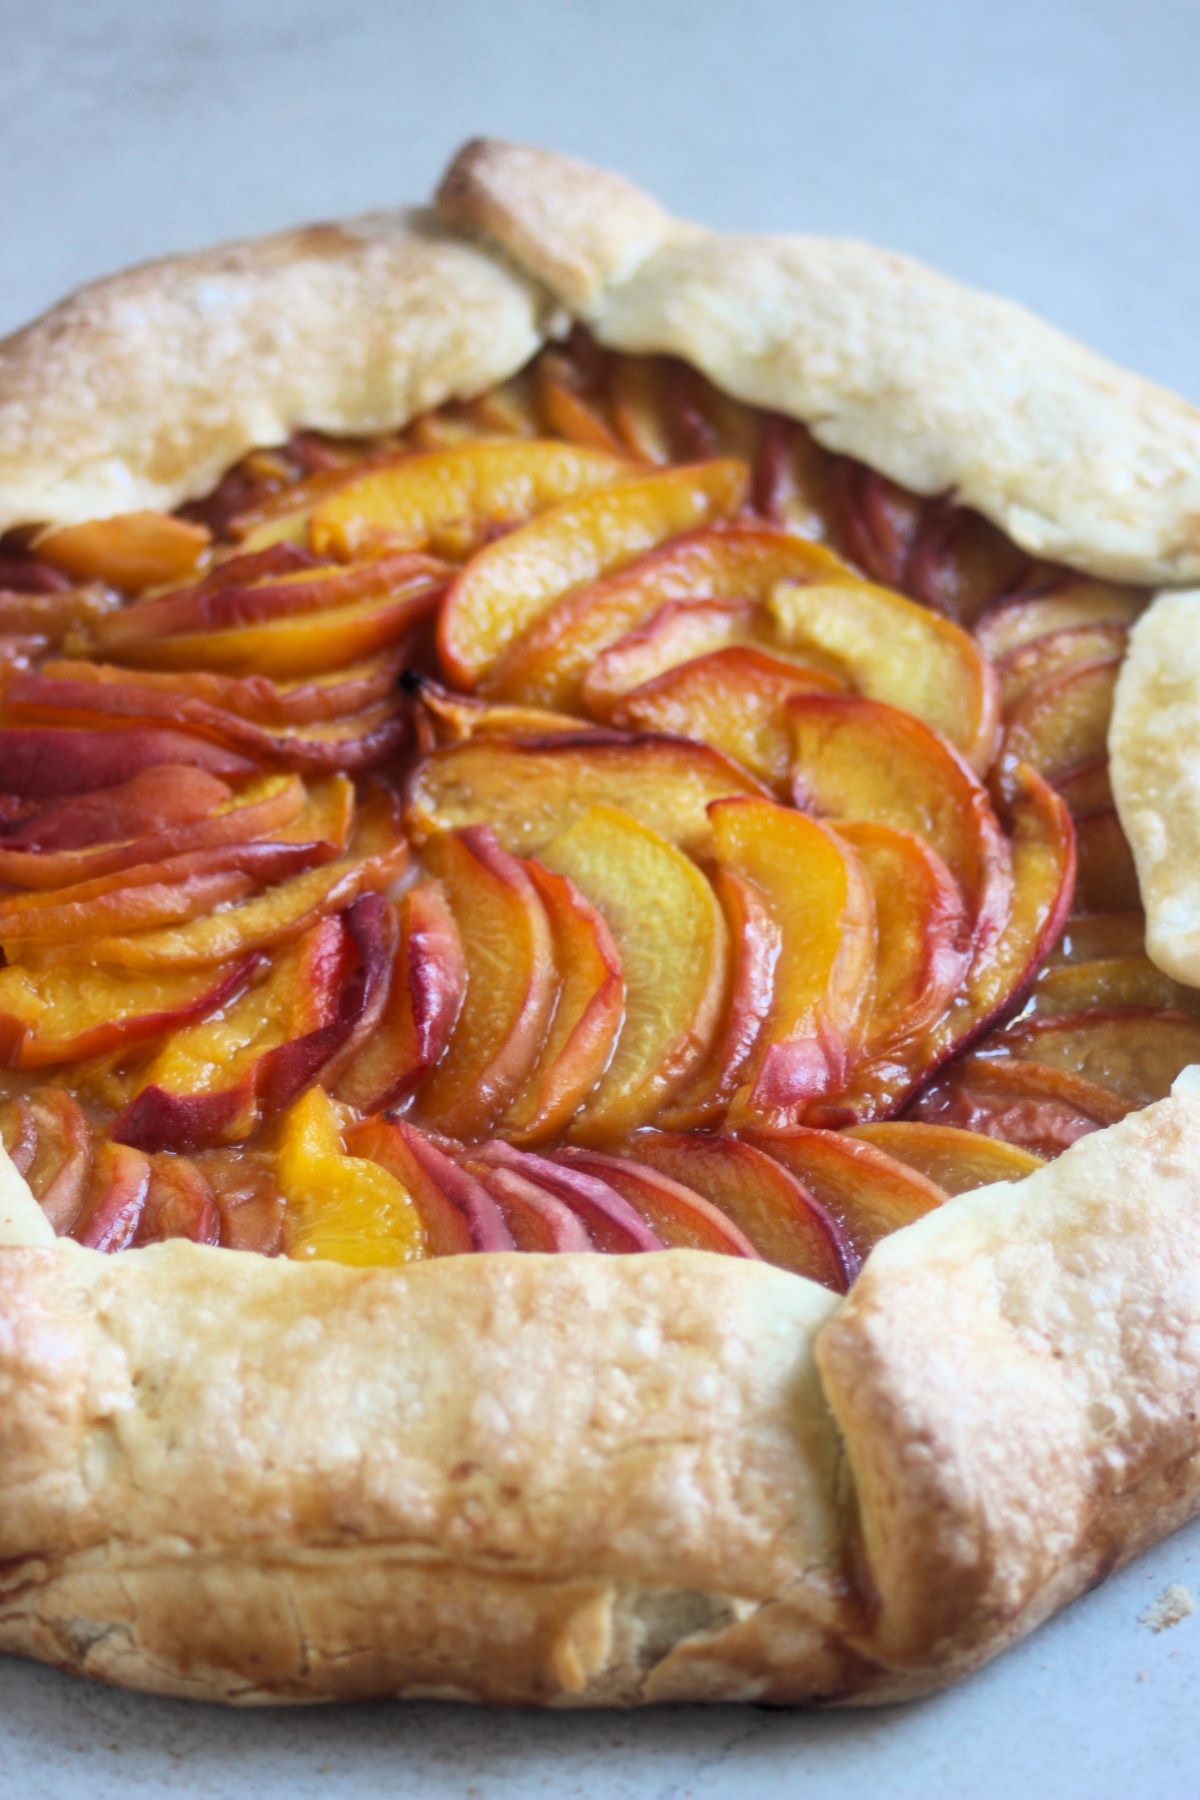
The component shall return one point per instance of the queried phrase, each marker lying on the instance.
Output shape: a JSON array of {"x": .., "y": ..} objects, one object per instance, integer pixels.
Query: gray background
[{"x": 1049, "y": 152}]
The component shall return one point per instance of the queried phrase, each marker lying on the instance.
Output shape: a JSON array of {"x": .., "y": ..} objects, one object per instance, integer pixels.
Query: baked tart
[{"x": 600, "y": 906}]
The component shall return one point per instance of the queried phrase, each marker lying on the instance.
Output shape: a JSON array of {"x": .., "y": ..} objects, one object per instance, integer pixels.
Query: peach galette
[{"x": 481, "y": 801}]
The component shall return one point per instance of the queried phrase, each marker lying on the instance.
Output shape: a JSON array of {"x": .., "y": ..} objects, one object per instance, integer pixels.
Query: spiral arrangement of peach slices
[{"x": 595, "y": 819}]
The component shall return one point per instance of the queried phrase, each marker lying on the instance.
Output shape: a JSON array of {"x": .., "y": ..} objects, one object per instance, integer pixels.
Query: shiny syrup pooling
[{"x": 1032, "y": 1077}]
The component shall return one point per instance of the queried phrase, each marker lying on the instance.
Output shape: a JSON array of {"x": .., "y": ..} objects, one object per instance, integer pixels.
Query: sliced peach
[
  {"x": 681, "y": 1217},
  {"x": 376, "y": 855},
  {"x": 1029, "y": 1104},
  {"x": 734, "y": 700},
  {"x": 1135, "y": 1052},
  {"x": 1107, "y": 879},
  {"x": 63, "y": 1014},
  {"x": 54, "y": 1153},
  {"x": 587, "y": 1018},
  {"x": 429, "y": 979},
  {"x": 897, "y": 651},
  {"x": 1071, "y": 603},
  {"x": 530, "y": 789},
  {"x": 959, "y": 563},
  {"x": 782, "y": 1219},
  {"x": 341, "y": 1208},
  {"x": 149, "y": 894},
  {"x": 1108, "y": 982},
  {"x": 793, "y": 479},
  {"x": 725, "y": 563},
  {"x": 1043, "y": 854},
  {"x": 259, "y": 590},
  {"x": 1029, "y": 664},
  {"x": 1061, "y": 724},
  {"x": 856, "y": 760},
  {"x": 566, "y": 405},
  {"x": 672, "y": 637},
  {"x": 1087, "y": 790},
  {"x": 48, "y": 615},
  {"x": 304, "y": 644},
  {"x": 821, "y": 903},
  {"x": 269, "y": 803},
  {"x": 164, "y": 795},
  {"x": 444, "y": 717},
  {"x": 956, "y": 1160},
  {"x": 637, "y": 402},
  {"x": 213, "y": 1082},
  {"x": 920, "y": 930},
  {"x": 51, "y": 763},
  {"x": 131, "y": 551},
  {"x": 507, "y": 587},
  {"x": 538, "y": 1220},
  {"x": 458, "y": 1213},
  {"x": 116, "y": 1199},
  {"x": 1087, "y": 936},
  {"x": 308, "y": 700},
  {"x": 756, "y": 940},
  {"x": 465, "y": 492},
  {"x": 869, "y": 1193},
  {"x": 511, "y": 984},
  {"x": 671, "y": 940},
  {"x": 612, "y": 1224},
  {"x": 179, "y": 1204},
  {"x": 351, "y": 743}
]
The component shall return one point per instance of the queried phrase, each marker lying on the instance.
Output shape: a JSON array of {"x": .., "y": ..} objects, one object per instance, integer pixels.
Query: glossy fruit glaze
[{"x": 595, "y": 818}]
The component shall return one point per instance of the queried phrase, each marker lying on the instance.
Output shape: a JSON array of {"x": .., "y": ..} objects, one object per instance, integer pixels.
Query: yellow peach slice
[
  {"x": 507, "y": 587},
  {"x": 671, "y": 939},
  {"x": 341, "y": 1208}
]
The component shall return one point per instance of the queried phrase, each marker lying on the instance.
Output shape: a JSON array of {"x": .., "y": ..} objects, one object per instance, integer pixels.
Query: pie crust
[{"x": 596, "y": 1480}]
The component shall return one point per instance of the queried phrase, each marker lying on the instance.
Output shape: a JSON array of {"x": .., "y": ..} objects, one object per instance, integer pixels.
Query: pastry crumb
[{"x": 1172, "y": 1605}]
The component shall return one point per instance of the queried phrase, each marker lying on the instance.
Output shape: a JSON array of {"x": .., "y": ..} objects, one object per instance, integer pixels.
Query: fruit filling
[{"x": 592, "y": 819}]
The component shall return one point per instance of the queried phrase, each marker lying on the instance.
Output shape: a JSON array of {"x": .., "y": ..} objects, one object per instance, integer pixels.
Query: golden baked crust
[
  {"x": 940, "y": 387},
  {"x": 592, "y": 1480},
  {"x": 141, "y": 390},
  {"x": 1154, "y": 747},
  {"x": 584, "y": 1480}
]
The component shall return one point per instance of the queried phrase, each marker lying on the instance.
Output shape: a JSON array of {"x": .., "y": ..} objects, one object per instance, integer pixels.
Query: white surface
[{"x": 1047, "y": 151}]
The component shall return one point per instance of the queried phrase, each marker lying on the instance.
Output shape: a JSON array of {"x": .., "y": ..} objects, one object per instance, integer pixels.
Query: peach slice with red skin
[
  {"x": 821, "y": 904},
  {"x": 351, "y": 743},
  {"x": 530, "y": 789},
  {"x": 869, "y": 1193},
  {"x": 1060, "y": 725},
  {"x": 956, "y": 1160},
  {"x": 730, "y": 563},
  {"x": 783, "y": 1220},
  {"x": 587, "y": 1018},
  {"x": 1028, "y": 1104},
  {"x": 1066, "y": 605},
  {"x": 538, "y": 1220},
  {"x": 508, "y": 587},
  {"x": 1135, "y": 1052},
  {"x": 511, "y": 985},
  {"x": 672, "y": 944},
  {"x": 755, "y": 939},
  {"x": 681, "y": 1217},
  {"x": 1043, "y": 850},
  {"x": 150, "y": 894},
  {"x": 1106, "y": 983},
  {"x": 376, "y": 855},
  {"x": 53, "y": 1152},
  {"x": 308, "y": 700},
  {"x": 857, "y": 760},
  {"x": 454, "y": 499},
  {"x": 896, "y": 651},
  {"x": 458, "y": 1212},
  {"x": 57, "y": 761},
  {"x": 1056, "y": 653},
  {"x": 734, "y": 700},
  {"x": 270, "y": 803},
  {"x": 179, "y": 1204},
  {"x": 679, "y": 633},
  {"x": 444, "y": 717},
  {"x": 118, "y": 1191},
  {"x": 214, "y": 1082},
  {"x": 154, "y": 799},
  {"x": 612, "y": 1224},
  {"x": 429, "y": 979},
  {"x": 259, "y": 591},
  {"x": 131, "y": 551},
  {"x": 64, "y": 1014}
]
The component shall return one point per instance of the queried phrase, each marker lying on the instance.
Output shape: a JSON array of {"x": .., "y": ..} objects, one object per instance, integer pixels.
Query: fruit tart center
[{"x": 594, "y": 818}]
